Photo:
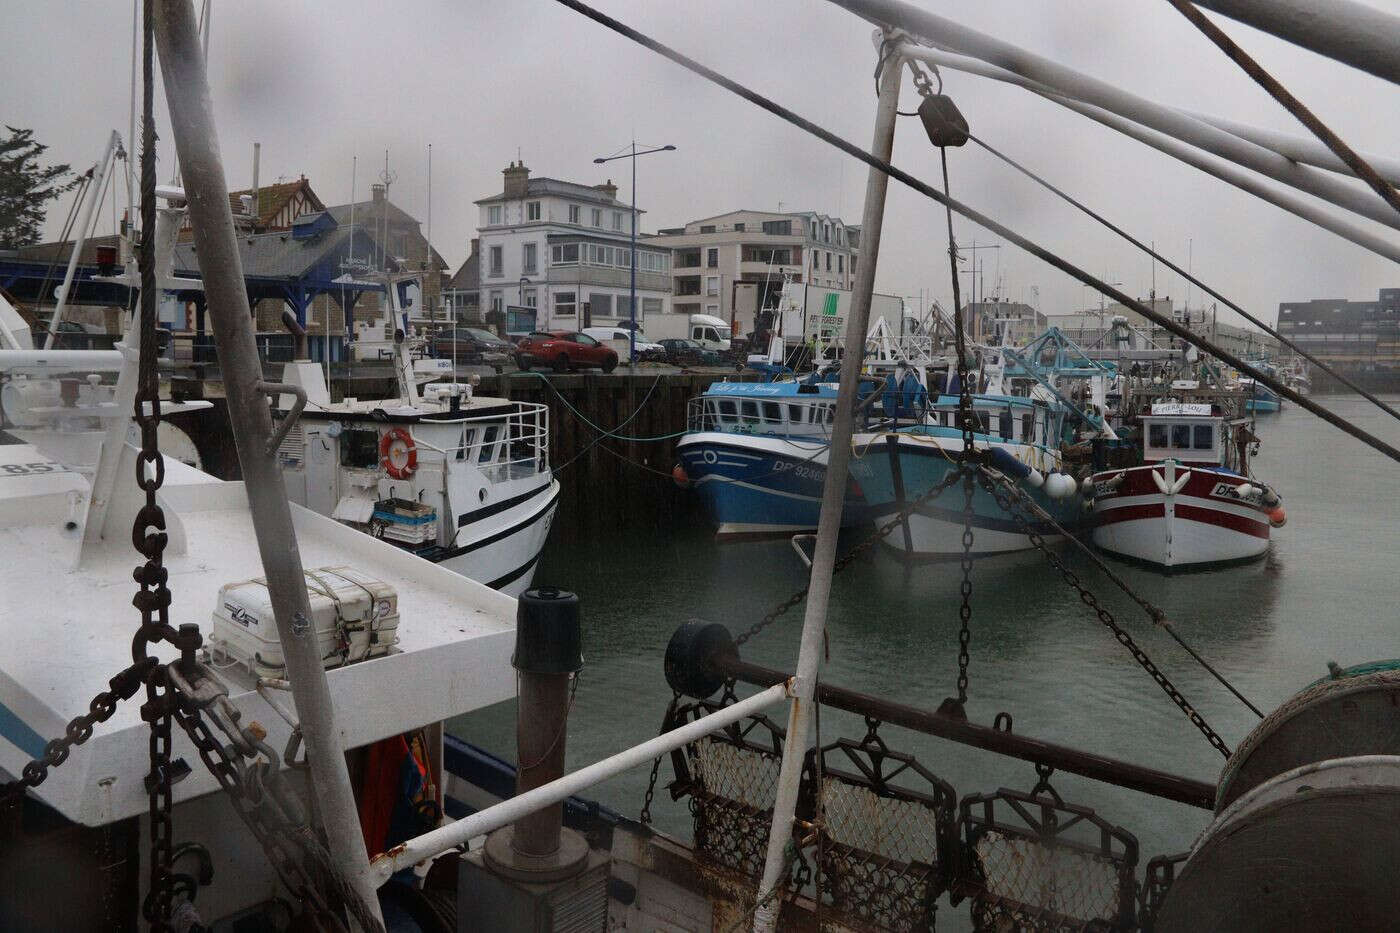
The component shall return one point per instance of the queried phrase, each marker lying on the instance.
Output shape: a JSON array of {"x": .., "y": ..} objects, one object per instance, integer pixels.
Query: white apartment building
[
  {"x": 730, "y": 264},
  {"x": 564, "y": 249}
]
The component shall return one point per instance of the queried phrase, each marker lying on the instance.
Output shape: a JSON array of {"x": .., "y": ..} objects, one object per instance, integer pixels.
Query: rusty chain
[
  {"x": 1018, "y": 512},
  {"x": 645, "y": 816}
]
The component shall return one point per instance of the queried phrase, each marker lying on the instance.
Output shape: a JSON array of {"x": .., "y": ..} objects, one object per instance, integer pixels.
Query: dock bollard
[{"x": 548, "y": 651}]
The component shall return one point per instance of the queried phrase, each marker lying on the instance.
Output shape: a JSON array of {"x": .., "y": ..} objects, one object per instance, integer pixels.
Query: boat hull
[
  {"x": 1173, "y": 517},
  {"x": 756, "y": 486},
  {"x": 892, "y": 473},
  {"x": 502, "y": 549},
  {"x": 1262, "y": 405}
]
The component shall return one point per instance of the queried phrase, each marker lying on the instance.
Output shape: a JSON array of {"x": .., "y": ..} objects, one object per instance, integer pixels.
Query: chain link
[
  {"x": 645, "y": 817},
  {"x": 965, "y": 608},
  {"x": 1019, "y": 511}
]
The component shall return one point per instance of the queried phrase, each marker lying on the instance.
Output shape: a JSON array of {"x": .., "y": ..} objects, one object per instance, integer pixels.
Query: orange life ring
[{"x": 398, "y": 454}]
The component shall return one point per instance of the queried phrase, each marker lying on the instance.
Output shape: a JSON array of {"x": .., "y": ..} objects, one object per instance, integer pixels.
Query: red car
[{"x": 564, "y": 350}]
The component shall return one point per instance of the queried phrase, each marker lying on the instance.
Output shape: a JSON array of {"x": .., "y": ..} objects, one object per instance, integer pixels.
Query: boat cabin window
[
  {"x": 748, "y": 412},
  {"x": 1203, "y": 437},
  {"x": 488, "y": 444},
  {"x": 1157, "y": 435},
  {"x": 1181, "y": 436},
  {"x": 1164, "y": 440},
  {"x": 795, "y": 414},
  {"x": 1027, "y": 427},
  {"x": 773, "y": 412},
  {"x": 359, "y": 448},
  {"x": 727, "y": 409},
  {"x": 468, "y": 435}
]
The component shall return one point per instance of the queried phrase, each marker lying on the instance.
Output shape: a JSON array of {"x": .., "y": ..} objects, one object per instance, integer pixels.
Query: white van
[
  {"x": 710, "y": 332},
  {"x": 620, "y": 340}
]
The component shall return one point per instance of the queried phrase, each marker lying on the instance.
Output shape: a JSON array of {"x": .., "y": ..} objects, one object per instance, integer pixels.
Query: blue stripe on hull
[{"x": 762, "y": 491}]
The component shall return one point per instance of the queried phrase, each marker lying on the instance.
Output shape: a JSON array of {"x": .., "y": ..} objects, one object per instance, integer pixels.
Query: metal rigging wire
[
  {"x": 988, "y": 223},
  {"x": 1293, "y": 105},
  {"x": 1186, "y": 275}
]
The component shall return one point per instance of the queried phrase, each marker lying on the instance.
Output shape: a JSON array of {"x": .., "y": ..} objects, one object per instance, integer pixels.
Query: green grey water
[{"x": 1326, "y": 591}]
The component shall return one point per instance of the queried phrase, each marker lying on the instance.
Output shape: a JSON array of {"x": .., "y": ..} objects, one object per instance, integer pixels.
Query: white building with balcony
[
  {"x": 564, "y": 249},
  {"x": 732, "y": 264}
]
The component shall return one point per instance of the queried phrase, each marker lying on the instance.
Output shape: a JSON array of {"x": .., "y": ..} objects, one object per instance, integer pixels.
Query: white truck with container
[{"x": 710, "y": 332}]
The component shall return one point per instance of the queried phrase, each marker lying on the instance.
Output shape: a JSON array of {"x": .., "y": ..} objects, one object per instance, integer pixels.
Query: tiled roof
[{"x": 271, "y": 198}]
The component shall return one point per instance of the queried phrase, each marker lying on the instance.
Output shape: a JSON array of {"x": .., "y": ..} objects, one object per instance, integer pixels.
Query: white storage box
[
  {"x": 355, "y": 617},
  {"x": 405, "y": 521}
]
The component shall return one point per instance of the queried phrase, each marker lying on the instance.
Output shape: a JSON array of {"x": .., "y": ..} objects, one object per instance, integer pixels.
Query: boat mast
[
  {"x": 192, "y": 123},
  {"x": 803, "y": 690}
]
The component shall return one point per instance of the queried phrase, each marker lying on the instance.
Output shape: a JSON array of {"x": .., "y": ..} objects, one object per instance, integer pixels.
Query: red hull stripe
[
  {"x": 1190, "y": 513},
  {"x": 1228, "y": 520},
  {"x": 1130, "y": 513}
]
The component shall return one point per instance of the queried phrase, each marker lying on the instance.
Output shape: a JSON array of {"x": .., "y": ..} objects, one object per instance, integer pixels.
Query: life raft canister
[{"x": 398, "y": 454}]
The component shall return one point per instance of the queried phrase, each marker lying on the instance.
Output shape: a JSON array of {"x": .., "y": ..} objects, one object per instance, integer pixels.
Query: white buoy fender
[{"x": 1035, "y": 478}]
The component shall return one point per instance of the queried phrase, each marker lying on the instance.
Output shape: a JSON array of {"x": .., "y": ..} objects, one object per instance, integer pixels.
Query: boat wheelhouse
[
  {"x": 1191, "y": 503},
  {"x": 895, "y": 468},
  {"x": 756, "y": 454}
]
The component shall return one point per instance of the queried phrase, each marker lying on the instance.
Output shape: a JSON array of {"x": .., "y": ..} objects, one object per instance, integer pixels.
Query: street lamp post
[{"x": 632, "y": 299}]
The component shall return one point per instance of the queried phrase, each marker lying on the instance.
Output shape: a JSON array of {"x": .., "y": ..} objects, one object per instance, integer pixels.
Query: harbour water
[{"x": 1326, "y": 591}]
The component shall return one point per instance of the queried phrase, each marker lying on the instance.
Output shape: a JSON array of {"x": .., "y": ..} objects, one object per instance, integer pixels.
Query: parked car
[
  {"x": 472, "y": 345},
  {"x": 682, "y": 351},
  {"x": 564, "y": 350},
  {"x": 646, "y": 349}
]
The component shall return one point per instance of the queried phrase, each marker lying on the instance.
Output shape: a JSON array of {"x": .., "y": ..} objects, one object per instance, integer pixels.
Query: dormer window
[
  {"x": 493, "y": 215},
  {"x": 532, "y": 210},
  {"x": 574, "y": 214}
]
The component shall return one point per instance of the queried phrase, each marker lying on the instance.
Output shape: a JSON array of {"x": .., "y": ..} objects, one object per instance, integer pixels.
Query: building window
[
  {"x": 497, "y": 254},
  {"x": 528, "y": 259},
  {"x": 532, "y": 210},
  {"x": 624, "y": 306},
  {"x": 565, "y": 254},
  {"x": 778, "y": 227},
  {"x": 565, "y": 304},
  {"x": 707, "y": 228},
  {"x": 493, "y": 214},
  {"x": 574, "y": 212},
  {"x": 816, "y": 259},
  {"x": 498, "y": 301},
  {"x": 597, "y": 217},
  {"x": 826, "y": 233},
  {"x": 712, "y": 309},
  {"x": 828, "y": 262},
  {"x": 841, "y": 263},
  {"x": 712, "y": 286},
  {"x": 529, "y": 298},
  {"x": 738, "y": 228},
  {"x": 599, "y": 304},
  {"x": 624, "y": 258},
  {"x": 712, "y": 257},
  {"x": 617, "y": 220}
]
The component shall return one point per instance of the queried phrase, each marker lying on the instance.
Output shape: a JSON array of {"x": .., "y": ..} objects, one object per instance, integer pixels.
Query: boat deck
[{"x": 68, "y": 630}]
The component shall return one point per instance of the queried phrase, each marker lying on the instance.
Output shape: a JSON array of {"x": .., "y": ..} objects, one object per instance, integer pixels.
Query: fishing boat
[
  {"x": 1190, "y": 502},
  {"x": 896, "y": 467},
  {"x": 756, "y": 454},
  {"x": 1260, "y": 399},
  {"x": 455, "y": 478}
]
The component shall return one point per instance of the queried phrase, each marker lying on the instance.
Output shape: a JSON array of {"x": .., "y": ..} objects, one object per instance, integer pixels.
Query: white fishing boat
[{"x": 455, "y": 478}]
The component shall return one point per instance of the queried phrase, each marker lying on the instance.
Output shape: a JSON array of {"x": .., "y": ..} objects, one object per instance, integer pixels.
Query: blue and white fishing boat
[
  {"x": 756, "y": 454},
  {"x": 1259, "y": 398}
]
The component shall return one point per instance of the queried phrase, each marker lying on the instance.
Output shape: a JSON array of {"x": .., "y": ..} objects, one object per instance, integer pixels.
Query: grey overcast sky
[{"x": 318, "y": 83}]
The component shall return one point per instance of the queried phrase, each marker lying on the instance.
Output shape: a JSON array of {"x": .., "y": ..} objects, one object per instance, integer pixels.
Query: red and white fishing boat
[{"x": 1191, "y": 503}]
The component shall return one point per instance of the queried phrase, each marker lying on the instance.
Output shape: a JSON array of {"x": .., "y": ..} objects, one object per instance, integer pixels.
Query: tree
[{"x": 26, "y": 186}]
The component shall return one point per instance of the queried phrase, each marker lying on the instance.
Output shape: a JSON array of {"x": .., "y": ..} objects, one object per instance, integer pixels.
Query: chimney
[
  {"x": 476, "y": 245},
  {"x": 517, "y": 179},
  {"x": 609, "y": 189},
  {"x": 376, "y": 192}
]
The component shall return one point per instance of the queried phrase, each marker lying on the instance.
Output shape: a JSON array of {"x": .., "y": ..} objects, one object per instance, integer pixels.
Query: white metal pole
[
  {"x": 948, "y": 34},
  {"x": 833, "y": 501},
  {"x": 1204, "y": 161},
  {"x": 192, "y": 122},
  {"x": 1305, "y": 149},
  {"x": 1350, "y": 32},
  {"x": 508, "y": 811},
  {"x": 91, "y": 196}
]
